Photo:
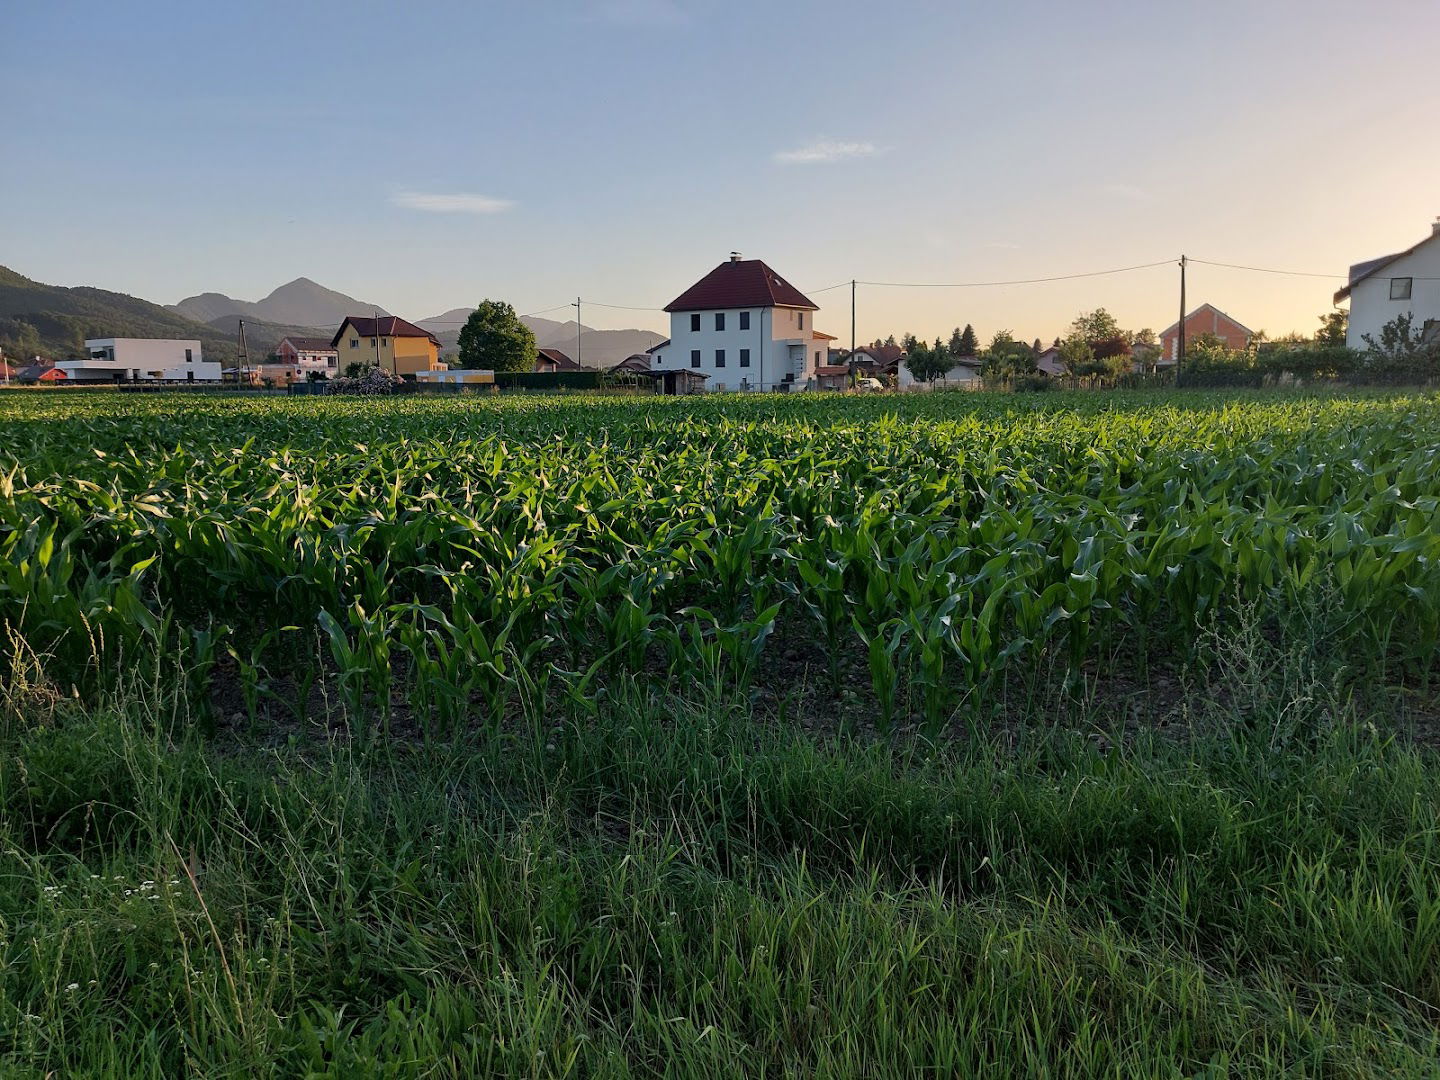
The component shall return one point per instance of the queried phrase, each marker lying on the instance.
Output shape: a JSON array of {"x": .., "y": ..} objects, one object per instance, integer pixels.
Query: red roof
[
  {"x": 740, "y": 283},
  {"x": 385, "y": 326},
  {"x": 832, "y": 369},
  {"x": 558, "y": 358}
]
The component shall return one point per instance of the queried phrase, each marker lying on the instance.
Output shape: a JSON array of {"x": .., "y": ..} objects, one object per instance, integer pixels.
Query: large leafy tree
[
  {"x": 1097, "y": 325},
  {"x": 495, "y": 338}
]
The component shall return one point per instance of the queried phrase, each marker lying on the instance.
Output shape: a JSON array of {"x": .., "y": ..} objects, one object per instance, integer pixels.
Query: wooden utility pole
[
  {"x": 852, "y": 331},
  {"x": 577, "y": 331},
  {"x": 1180, "y": 336}
]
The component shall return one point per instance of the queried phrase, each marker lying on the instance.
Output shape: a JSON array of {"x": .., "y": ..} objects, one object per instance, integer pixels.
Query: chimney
[
  {"x": 1435, "y": 228},
  {"x": 735, "y": 255}
]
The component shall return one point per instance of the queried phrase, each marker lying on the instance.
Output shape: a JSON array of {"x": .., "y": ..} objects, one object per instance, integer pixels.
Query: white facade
[
  {"x": 1409, "y": 284},
  {"x": 142, "y": 360},
  {"x": 777, "y": 350}
]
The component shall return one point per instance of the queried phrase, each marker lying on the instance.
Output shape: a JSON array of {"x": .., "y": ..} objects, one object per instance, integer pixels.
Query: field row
[{"x": 445, "y": 553}]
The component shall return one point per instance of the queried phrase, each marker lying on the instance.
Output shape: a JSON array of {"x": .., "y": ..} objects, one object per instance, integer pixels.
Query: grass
[
  {"x": 676, "y": 887},
  {"x": 954, "y": 735}
]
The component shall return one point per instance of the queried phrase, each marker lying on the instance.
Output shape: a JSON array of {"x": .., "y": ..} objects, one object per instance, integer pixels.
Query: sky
[{"x": 426, "y": 155}]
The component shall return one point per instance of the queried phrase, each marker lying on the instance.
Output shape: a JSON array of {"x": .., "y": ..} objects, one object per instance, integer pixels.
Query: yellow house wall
[{"x": 414, "y": 354}]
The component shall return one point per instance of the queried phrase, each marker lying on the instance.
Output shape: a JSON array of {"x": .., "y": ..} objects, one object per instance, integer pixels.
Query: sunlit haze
[{"x": 427, "y": 155}]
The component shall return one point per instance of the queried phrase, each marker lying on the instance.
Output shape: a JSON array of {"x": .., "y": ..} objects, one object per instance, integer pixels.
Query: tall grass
[{"x": 677, "y": 887}]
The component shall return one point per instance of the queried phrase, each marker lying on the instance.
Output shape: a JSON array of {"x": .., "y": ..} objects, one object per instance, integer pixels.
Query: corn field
[{"x": 448, "y": 556}]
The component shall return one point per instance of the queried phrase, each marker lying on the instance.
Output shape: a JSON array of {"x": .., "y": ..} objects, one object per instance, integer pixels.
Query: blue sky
[{"x": 427, "y": 155}]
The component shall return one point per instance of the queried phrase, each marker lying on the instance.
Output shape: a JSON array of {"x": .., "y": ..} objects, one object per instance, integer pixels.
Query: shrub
[{"x": 374, "y": 381}]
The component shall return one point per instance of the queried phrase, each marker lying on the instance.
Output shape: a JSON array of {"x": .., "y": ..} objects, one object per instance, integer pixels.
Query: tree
[
  {"x": 1037, "y": 348},
  {"x": 1096, "y": 325},
  {"x": 1077, "y": 355},
  {"x": 957, "y": 343},
  {"x": 890, "y": 341},
  {"x": 942, "y": 359},
  {"x": 1333, "y": 325},
  {"x": 1006, "y": 356},
  {"x": 909, "y": 342},
  {"x": 495, "y": 338},
  {"x": 969, "y": 342},
  {"x": 921, "y": 362}
]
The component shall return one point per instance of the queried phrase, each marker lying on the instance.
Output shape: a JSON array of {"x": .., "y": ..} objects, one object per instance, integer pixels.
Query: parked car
[{"x": 868, "y": 385}]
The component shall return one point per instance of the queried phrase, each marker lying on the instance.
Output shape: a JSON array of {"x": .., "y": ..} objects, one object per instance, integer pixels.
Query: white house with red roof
[
  {"x": 743, "y": 327},
  {"x": 1406, "y": 283}
]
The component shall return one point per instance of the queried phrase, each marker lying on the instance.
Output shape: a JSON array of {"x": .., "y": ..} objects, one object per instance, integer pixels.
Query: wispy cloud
[
  {"x": 453, "y": 203},
  {"x": 823, "y": 151},
  {"x": 635, "y": 12}
]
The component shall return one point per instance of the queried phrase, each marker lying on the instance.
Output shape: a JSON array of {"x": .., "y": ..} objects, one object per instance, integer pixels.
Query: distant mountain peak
[{"x": 302, "y": 302}]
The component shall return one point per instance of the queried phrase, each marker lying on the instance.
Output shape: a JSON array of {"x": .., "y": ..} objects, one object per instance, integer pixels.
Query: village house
[
  {"x": 1206, "y": 319},
  {"x": 396, "y": 346},
  {"x": 743, "y": 327},
  {"x": 1406, "y": 283},
  {"x": 306, "y": 354},
  {"x": 549, "y": 360}
]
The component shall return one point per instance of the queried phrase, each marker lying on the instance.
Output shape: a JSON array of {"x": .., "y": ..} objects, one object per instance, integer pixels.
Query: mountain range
[
  {"x": 301, "y": 302},
  {"x": 53, "y": 321}
]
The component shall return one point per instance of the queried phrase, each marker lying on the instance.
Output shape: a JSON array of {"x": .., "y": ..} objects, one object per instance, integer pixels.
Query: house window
[
  {"x": 354, "y": 342},
  {"x": 817, "y": 357},
  {"x": 372, "y": 342},
  {"x": 719, "y": 357},
  {"x": 330, "y": 361},
  {"x": 385, "y": 342},
  {"x": 188, "y": 357},
  {"x": 800, "y": 319},
  {"x": 695, "y": 323},
  {"x": 719, "y": 320},
  {"x": 1400, "y": 288},
  {"x": 744, "y": 357},
  {"x": 744, "y": 320},
  {"x": 694, "y": 357}
]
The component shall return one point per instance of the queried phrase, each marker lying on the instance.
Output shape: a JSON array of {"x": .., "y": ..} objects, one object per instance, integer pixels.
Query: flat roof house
[
  {"x": 743, "y": 327},
  {"x": 128, "y": 360}
]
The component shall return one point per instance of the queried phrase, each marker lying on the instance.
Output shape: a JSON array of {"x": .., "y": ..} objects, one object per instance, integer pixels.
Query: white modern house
[
  {"x": 743, "y": 327},
  {"x": 141, "y": 360},
  {"x": 1407, "y": 283}
]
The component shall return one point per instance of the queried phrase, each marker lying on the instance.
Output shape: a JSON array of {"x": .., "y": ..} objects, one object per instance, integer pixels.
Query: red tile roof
[
  {"x": 558, "y": 358},
  {"x": 740, "y": 283},
  {"x": 385, "y": 326}
]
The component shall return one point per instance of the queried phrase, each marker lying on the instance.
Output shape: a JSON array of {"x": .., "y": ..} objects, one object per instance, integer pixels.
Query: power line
[
  {"x": 1021, "y": 281},
  {"x": 1268, "y": 270}
]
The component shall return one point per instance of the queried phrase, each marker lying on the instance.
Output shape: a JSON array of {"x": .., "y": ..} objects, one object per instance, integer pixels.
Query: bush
[
  {"x": 1031, "y": 383},
  {"x": 374, "y": 381}
]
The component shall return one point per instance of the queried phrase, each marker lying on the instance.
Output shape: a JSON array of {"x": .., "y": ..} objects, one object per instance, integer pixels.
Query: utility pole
[
  {"x": 577, "y": 331},
  {"x": 244, "y": 355},
  {"x": 852, "y": 331},
  {"x": 376, "y": 339},
  {"x": 1180, "y": 337}
]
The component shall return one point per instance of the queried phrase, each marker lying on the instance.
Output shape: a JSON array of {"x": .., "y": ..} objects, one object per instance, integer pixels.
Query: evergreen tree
[{"x": 969, "y": 343}]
